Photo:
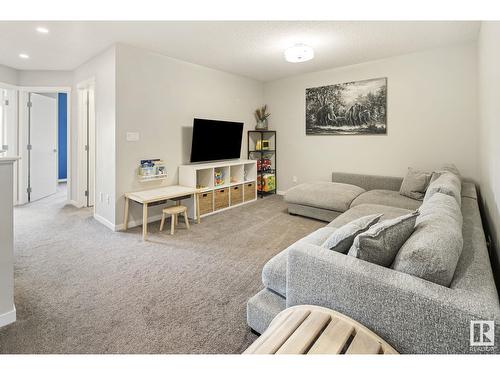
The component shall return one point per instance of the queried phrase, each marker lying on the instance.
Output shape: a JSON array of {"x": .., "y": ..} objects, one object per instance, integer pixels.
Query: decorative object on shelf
[
  {"x": 261, "y": 116},
  {"x": 347, "y": 108},
  {"x": 151, "y": 169},
  {"x": 262, "y": 145},
  {"x": 264, "y": 151},
  {"x": 218, "y": 177}
]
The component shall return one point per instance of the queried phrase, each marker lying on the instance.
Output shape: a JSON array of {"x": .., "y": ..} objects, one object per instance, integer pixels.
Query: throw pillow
[
  {"x": 415, "y": 183},
  {"x": 451, "y": 168},
  {"x": 447, "y": 183},
  {"x": 341, "y": 240},
  {"x": 380, "y": 244},
  {"x": 433, "y": 250}
]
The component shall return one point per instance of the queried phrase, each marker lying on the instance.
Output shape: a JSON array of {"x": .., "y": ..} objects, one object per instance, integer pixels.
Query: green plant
[{"x": 261, "y": 115}]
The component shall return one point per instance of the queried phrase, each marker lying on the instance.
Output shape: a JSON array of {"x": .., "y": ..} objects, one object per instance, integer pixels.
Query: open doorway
[
  {"x": 43, "y": 142},
  {"x": 42, "y": 147}
]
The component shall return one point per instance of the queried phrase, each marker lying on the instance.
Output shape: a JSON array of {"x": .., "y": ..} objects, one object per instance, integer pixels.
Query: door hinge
[
  {"x": 29, "y": 147},
  {"x": 28, "y": 190},
  {"x": 86, "y": 147},
  {"x": 86, "y": 193},
  {"x": 6, "y": 102},
  {"x": 30, "y": 104}
]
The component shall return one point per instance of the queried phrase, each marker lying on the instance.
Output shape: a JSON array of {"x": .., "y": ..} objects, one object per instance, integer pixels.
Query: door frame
[
  {"x": 15, "y": 131},
  {"x": 87, "y": 137},
  {"x": 22, "y": 137}
]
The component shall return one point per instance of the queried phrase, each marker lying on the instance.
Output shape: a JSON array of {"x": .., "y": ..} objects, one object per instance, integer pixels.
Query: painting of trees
[{"x": 347, "y": 108}]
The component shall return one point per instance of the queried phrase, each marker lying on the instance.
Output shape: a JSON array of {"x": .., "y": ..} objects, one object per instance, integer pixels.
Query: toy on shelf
[
  {"x": 266, "y": 182},
  {"x": 218, "y": 177},
  {"x": 264, "y": 164}
]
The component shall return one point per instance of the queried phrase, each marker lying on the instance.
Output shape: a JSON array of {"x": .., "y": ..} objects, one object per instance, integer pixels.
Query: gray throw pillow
[
  {"x": 381, "y": 243},
  {"x": 433, "y": 250},
  {"x": 451, "y": 168},
  {"x": 341, "y": 240},
  {"x": 415, "y": 183},
  {"x": 447, "y": 183}
]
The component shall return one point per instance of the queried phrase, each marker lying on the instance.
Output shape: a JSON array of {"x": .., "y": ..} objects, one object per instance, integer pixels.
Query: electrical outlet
[
  {"x": 107, "y": 198},
  {"x": 294, "y": 179}
]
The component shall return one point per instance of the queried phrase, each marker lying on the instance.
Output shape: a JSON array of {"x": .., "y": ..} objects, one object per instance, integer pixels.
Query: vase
[{"x": 261, "y": 125}]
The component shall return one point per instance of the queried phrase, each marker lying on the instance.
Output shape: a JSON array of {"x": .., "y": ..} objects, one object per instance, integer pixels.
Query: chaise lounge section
[{"x": 412, "y": 314}]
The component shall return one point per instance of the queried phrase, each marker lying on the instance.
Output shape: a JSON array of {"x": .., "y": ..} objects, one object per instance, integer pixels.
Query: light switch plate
[{"x": 132, "y": 136}]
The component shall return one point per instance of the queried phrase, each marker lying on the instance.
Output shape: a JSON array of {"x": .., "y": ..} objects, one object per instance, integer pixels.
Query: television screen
[{"x": 216, "y": 140}]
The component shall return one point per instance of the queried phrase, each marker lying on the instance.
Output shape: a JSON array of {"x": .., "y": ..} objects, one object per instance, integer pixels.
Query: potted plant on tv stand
[{"x": 261, "y": 116}]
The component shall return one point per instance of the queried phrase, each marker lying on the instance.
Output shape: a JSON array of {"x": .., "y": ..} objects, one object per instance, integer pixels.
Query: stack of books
[{"x": 152, "y": 168}]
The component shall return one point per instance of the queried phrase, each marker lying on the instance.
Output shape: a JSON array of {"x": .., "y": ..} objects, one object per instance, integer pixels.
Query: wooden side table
[{"x": 310, "y": 329}]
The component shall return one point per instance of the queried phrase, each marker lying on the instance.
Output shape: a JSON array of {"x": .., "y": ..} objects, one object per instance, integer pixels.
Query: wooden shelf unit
[{"x": 239, "y": 186}]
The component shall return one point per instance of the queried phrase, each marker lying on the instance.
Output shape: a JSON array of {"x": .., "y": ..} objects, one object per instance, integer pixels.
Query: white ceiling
[{"x": 252, "y": 49}]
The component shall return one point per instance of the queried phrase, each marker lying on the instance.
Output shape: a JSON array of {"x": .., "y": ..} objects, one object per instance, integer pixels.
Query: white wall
[
  {"x": 489, "y": 131},
  {"x": 45, "y": 78},
  {"x": 432, "y": 118},
  {"x": 8, "y": 75},
  {"x": 102, "y": 69},
  {"x": 158, "y": 97}
]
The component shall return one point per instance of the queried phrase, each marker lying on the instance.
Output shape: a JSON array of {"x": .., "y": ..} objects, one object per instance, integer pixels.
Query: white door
[{"x": 42, "y": 180}]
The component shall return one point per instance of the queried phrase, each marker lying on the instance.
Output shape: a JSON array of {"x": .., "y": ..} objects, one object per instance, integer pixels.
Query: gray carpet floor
[{"x": 81, "y": 288}]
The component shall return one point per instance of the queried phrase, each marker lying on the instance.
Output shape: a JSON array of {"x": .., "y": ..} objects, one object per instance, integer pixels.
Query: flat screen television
[{"x": 216, "y": 140}]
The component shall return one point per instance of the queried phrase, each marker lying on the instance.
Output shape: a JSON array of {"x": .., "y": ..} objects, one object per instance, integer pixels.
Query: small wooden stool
[
  {"x": 307, "y": 329},
  {"x": 174, "y": 211}
]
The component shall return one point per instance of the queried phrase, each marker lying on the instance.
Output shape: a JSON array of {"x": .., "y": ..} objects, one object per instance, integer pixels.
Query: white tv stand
[{"x": 239, "y": 185}]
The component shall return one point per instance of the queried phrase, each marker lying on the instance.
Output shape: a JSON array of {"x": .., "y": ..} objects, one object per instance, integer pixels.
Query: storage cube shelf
[{"x": 224, "y": 184}]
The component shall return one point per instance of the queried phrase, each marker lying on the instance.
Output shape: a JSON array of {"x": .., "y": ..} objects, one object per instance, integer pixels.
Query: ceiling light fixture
[
  {"x": 24, "y": 56},
  {"x": 299, "y": 53},
  {"x": 42, "y": 30}
]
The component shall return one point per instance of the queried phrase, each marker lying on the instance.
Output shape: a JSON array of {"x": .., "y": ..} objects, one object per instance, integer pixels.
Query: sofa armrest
[
  {"x": 368, "y": 182},
  {"x": 411, "y": 314}
]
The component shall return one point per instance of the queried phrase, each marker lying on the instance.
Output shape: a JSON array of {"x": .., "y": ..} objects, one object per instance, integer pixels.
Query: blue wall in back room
[{"x": 62, "y": 120}]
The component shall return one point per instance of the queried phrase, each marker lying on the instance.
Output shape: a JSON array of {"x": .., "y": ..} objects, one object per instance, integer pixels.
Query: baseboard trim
[
  {"x": 74, "y": 203},
  {"x": 8, "y": 317},
  {"x": 120, "y": 227},
  {"x": 105, "y": 222},
  {"x": 136, "y": 223}
]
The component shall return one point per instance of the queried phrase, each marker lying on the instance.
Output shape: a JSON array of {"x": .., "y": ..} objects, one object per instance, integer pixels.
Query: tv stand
[{"x": 224, "y": 184}]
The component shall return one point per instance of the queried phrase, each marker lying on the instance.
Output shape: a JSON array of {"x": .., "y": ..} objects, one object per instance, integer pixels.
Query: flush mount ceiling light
[
  {"x": 42, "y": 30},
  {"x": 24, "y": 56},
  {"x": 299, "y": 53}
]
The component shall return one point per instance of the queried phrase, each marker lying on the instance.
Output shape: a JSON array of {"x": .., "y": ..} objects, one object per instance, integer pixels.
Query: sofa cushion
[
  {"x": 433, "y": 250},
  {"x": 415, "y": 183},
  {"x": 341, "y": 240},
  {"x": 274, "y": 271},
  {"x": 386, "y": 198},
  {"x": 447, "y": 183},
  {"x": 381, "y": 243},
  {"x": 329, "y": 195},
  {"x": 356, "y": 212}
]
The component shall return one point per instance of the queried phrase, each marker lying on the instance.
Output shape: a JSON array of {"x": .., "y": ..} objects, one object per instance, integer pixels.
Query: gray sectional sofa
[{"x": 412, "y": 314}]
